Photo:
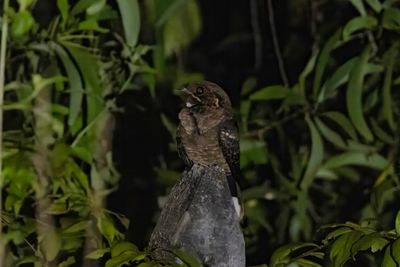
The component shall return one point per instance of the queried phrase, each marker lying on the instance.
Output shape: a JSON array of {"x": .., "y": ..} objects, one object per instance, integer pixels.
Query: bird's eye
[{"x": 199, "y": 90}]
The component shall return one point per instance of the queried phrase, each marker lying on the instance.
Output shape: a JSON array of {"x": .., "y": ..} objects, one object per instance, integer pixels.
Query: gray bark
[{"x": 199, "y": 218}]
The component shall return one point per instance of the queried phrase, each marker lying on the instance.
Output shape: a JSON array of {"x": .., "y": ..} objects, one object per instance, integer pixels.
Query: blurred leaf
[
  {"x": 304, "y": 74},
  {"x": 248, "y": 85},
  {"x": 24, "y": 4},
  {"x": 336, "y": 233},
  {"x": 375, "y": 5},
  {"x": 252, "y": 151},
  {"x": 330, "y": 135},
  {"x": 91, "y": 24},
  {"x": 96, "y": 7},
  {"x": 358, "y": 4},
  {"x": 307, "y": 263},
  {"x": 130, "y": 14},
  {"x": 391, "y": 19},
  {"x": 270, "y": 92},
  {"x": 322, "y": 61},
  {"x": 387, "y": 87},
  {"x": 282, "y": 254},
  {"x": 63, "y": 6},
  {"x": 341, "y": 249},
  {"x": 397, "y": 223},
  {"x": 380, "y": 133},
  {"x": 343, "y": 122},
  {"x": 82, "y": 5},
  {"x": 68, "y": 262},
  {"x": 373, "y": 241},
  {"x": 374, "y": 161},
  {"x": 358, "y": 23},
  {"x": 182, "y": 26},
  {"x": 388, "y": 260},
  {"x": 97, "y": 254},
  {"x": 74, "y": 79},
  {"x": 187, "y": 258},
  {"x": 354, "y": 96},
  {"x": 316, "y": 156},
  {"x": 50, "y": 243},
  {"x": 22, "y": 23},
  {"x": 122, "y": 247}
]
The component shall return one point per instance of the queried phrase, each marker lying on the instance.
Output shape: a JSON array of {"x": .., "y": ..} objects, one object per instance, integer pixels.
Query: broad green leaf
[
  {"x": 130, "y": 14},
  {"x": 316, "y": 156},
  {"x": 387, "y": 87},
  {"x": 121, "y": 260},
  {"x": 97, "y": 254},
  {"x": 270, "y": 92},
  {"x": 281, "y": 255},
  {"x": 396, "y": 250},
  {"x": 388, "y": 260},
  {"x": 354, "y": 96},
  {"x": 375, "y": 161},
  {"x": 50, "y": 243},
  {"x": 375, "y": 5},
  {"x": 322, "y": 61},
  {"x": 397, "y": 223},
  {"x": 336, "y": 233},
  {"x": 63, "y": 7},
  {"x": 358, "y": 4},
  {"x": 76, "y": 227},
  {"x": 343, "y": 122},
  {"x": 189, "y": 259},
  {"x": 374, "y": 242},
  {"x": 75, "y": 82},
  {"x": 182, "y": 27},
  {"x": 341, "y": 249},
  {"x": 107, "y": 228},
  {"x": 91, "y": 24},
  {"x": 330, "y": 135},
  {"x": 96, "y": 8},
  {"x": 22, "y": 23},
  {"x": 391, "y": 19},
  {"x": 358, "y": 23},
  {"x": 122, "y": 247}
]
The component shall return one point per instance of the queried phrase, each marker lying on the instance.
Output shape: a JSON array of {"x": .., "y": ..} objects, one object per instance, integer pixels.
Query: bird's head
[{"x": 205, "y": 94}]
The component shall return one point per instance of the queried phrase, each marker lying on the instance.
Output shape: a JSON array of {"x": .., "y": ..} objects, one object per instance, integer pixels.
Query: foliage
[{"x": 314, "y": 154}]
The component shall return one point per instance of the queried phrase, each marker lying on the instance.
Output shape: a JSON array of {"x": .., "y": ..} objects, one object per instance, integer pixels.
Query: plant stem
[{"x": 3, "y": 50}]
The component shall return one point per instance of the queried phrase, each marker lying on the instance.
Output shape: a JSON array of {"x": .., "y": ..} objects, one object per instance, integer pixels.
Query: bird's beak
[{"x": 189, "y": 95}]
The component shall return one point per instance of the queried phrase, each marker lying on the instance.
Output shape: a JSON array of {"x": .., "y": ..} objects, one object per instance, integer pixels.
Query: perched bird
[{"x": 208, "y": 134}]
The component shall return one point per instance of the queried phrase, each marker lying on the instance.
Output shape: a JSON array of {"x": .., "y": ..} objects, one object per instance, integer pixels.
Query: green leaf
[
  {"x": 322, "y": 62},
  {"x": 354, "y": 96},
  {"x": 396, "y": 251},
  {"x": 387, "y": 86},
  {"x": 122, "y": 247},
  {"x": 391, "y": 19},
  {"x": 307, "y": 263},
  {"x": 375, "y": 5},
  {"x": 124, "y": 259},
  {"x": 330, "y": 135},
  {"x": 343, "y": 122},
  {"x": 358, "y": 23},
  {"x": 373, "y": 241},
  {"x": 380, "y": 133},
  {"x": 388, "y": 260},
  {"x": 397, "y": 223},
  {"x": 22, "y": 23},
  {"x": 82, "y": 5},
  {"x": 63, "y": 6},
  {"x": 281, "y": 255},
  {"x": 97, "y": 254},
  {"x": 91, "y": 24},
  {"x": 358, "y": 4},
  {"x": 24, "y": 4},
  {"x": 270, "y": 92},
  {"x": 182, "y": 26},
  {"x": 75, "y": 82},
  {"x": 50, "y": 243},
  {"x": 188, "y": 258},
  {"x": 341, "y": 249},
  {"x": 304, "y": 74},
  {"x": 316, "y": 156},
  {"x": 336, "y": 233},
  {"x": 89, "y": 67},
  {"x": 130, "y": 14},
  {"x": 68, "y": 262},
  {"x": 96, "y": 7},
  {"x": 375, "y": 161}
]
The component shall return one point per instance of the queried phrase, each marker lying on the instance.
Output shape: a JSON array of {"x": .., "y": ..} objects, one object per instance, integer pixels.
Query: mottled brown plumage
[{"x": 207, "y": 133}]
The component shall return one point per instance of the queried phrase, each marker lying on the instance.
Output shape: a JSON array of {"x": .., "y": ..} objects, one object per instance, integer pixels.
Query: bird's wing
[
  {"x": 229, "y": 143},
  {"x": 181, "y": 149}
]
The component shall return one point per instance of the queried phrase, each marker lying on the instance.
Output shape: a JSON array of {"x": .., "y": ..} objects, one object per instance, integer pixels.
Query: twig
[
  {"x": 3, "y": 50},
  {"x": 275, "y": 42},
  {"x": 255, "y": 24}
]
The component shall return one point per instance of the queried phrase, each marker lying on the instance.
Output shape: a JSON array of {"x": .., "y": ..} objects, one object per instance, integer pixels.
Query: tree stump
[{"x": 199, "y": 217}]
